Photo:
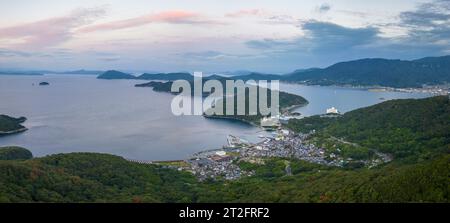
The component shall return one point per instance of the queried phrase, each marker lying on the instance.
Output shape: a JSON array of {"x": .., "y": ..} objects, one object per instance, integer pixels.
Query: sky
[{"x": 216, "y": 35}]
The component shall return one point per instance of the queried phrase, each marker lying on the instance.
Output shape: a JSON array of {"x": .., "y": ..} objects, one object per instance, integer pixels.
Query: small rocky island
[{"x": 10, "y": 125}]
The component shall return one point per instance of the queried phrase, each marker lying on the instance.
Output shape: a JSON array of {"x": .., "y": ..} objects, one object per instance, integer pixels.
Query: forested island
[
  {"x": 114, "y": 75},
  {"x": 10, "y": 125},
  {"x": 414, "y": 131},
  {"x": 287, "y": 101}
]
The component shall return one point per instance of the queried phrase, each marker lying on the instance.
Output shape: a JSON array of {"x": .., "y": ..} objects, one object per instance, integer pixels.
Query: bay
[{"x": 79, "y": 113}]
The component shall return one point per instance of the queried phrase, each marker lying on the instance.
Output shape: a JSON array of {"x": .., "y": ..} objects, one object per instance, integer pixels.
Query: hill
[
  {"x": 14, "y": 153},
  {"x": 381, "y": 72},
  {"x": 407, "y": 128},
  {"x": 83, "y": 177},
  {"x": 113, "y": 74},
  {"x": 92, "y": 177}
]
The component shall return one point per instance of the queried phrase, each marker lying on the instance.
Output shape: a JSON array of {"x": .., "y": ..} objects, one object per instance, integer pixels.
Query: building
[
  {"x": 284, "y": 132},
  {"x": 332, "y": 110},
  {"x": 221, "y": 153},
  {"x": 270, "y": 122},
  {"x": 217, "y": 158}
]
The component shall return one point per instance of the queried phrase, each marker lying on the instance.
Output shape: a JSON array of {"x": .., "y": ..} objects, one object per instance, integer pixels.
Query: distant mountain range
[
  {"x": 382, "y": 72},
  {"x": 363, "y": 72},
  {"x": 166, "y": 76},
  {"x": 20, "y": 73},
  {"x": 42, "y": 72},
  {"x": 87, "y": 72}
]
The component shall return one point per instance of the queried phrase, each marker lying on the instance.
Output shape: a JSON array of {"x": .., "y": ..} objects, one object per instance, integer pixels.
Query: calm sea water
[
  {"x": 82, "y": 114},
  {"x": 344, "y": 99}
]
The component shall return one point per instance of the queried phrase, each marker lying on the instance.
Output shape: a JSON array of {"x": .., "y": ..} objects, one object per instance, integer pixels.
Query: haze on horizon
[{"x": 214, "y": 36}]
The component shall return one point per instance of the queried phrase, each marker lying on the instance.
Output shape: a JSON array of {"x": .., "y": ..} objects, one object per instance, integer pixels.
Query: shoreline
[
  {"x": 5, "y": 133},
  {"x": 434, "y": 90},
  {"x": 231, "y": 119},
  {"x": 290, "y": 108}
]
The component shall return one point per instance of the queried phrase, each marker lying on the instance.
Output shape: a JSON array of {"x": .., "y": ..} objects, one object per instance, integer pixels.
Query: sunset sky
[{"x": 213, "y": 36}]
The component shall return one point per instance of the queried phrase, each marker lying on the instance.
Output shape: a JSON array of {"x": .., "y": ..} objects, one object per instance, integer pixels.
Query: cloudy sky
[{"x": 217, "y": 35}]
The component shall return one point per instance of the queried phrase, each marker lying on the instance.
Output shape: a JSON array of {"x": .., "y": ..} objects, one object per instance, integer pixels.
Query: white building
[
  {"x": 221, "y": 153},
  {"x": 285, "y": 132},
  {"x": 270, "y": 122},
  {"x": 332, "y": 110}
]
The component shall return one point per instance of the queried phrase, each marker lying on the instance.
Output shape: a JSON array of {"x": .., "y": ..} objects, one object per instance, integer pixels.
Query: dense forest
[
  {"x": 15, "y": 153},
  {"x": 91, "y": 177},
  {"x": 415, "y": 131}
]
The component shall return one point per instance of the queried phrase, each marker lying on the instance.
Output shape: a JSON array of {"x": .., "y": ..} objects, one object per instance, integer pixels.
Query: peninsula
[{"x": 287, "y": 102}]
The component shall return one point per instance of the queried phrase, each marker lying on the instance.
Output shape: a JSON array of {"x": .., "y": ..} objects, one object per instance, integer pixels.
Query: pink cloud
[
  {"x": 49, "y": 32},
  {"x": 248, "y": 12},
  {"x": 176, "y": 17}
]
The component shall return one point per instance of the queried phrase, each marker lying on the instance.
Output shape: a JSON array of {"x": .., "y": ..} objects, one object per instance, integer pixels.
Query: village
[
  {"x": 279, "y": 143},
  {"x": 283, "y": 144}
]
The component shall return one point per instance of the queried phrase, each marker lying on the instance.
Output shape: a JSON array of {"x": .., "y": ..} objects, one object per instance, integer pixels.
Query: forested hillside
[
  {"x": 89, "y": 177},
  {"x": 403, "y": 128},
  {"x": 382, "y": 72}
]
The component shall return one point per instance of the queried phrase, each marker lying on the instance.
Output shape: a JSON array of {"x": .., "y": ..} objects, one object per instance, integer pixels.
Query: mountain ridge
[{"x": 362, "y": 72}]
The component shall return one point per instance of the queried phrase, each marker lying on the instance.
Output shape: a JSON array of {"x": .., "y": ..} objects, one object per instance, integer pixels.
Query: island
[
  {"x": 44, "y": 83},
  {"x": 113, "y": 74},
  {"x": 287, "y": 101},
  {"x": 10, "y": 125}
]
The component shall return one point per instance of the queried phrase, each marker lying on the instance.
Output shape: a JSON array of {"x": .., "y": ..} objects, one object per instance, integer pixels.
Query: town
[
  {"x": 283, "y": 144},
  {"x": 280, "y": 143}
]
